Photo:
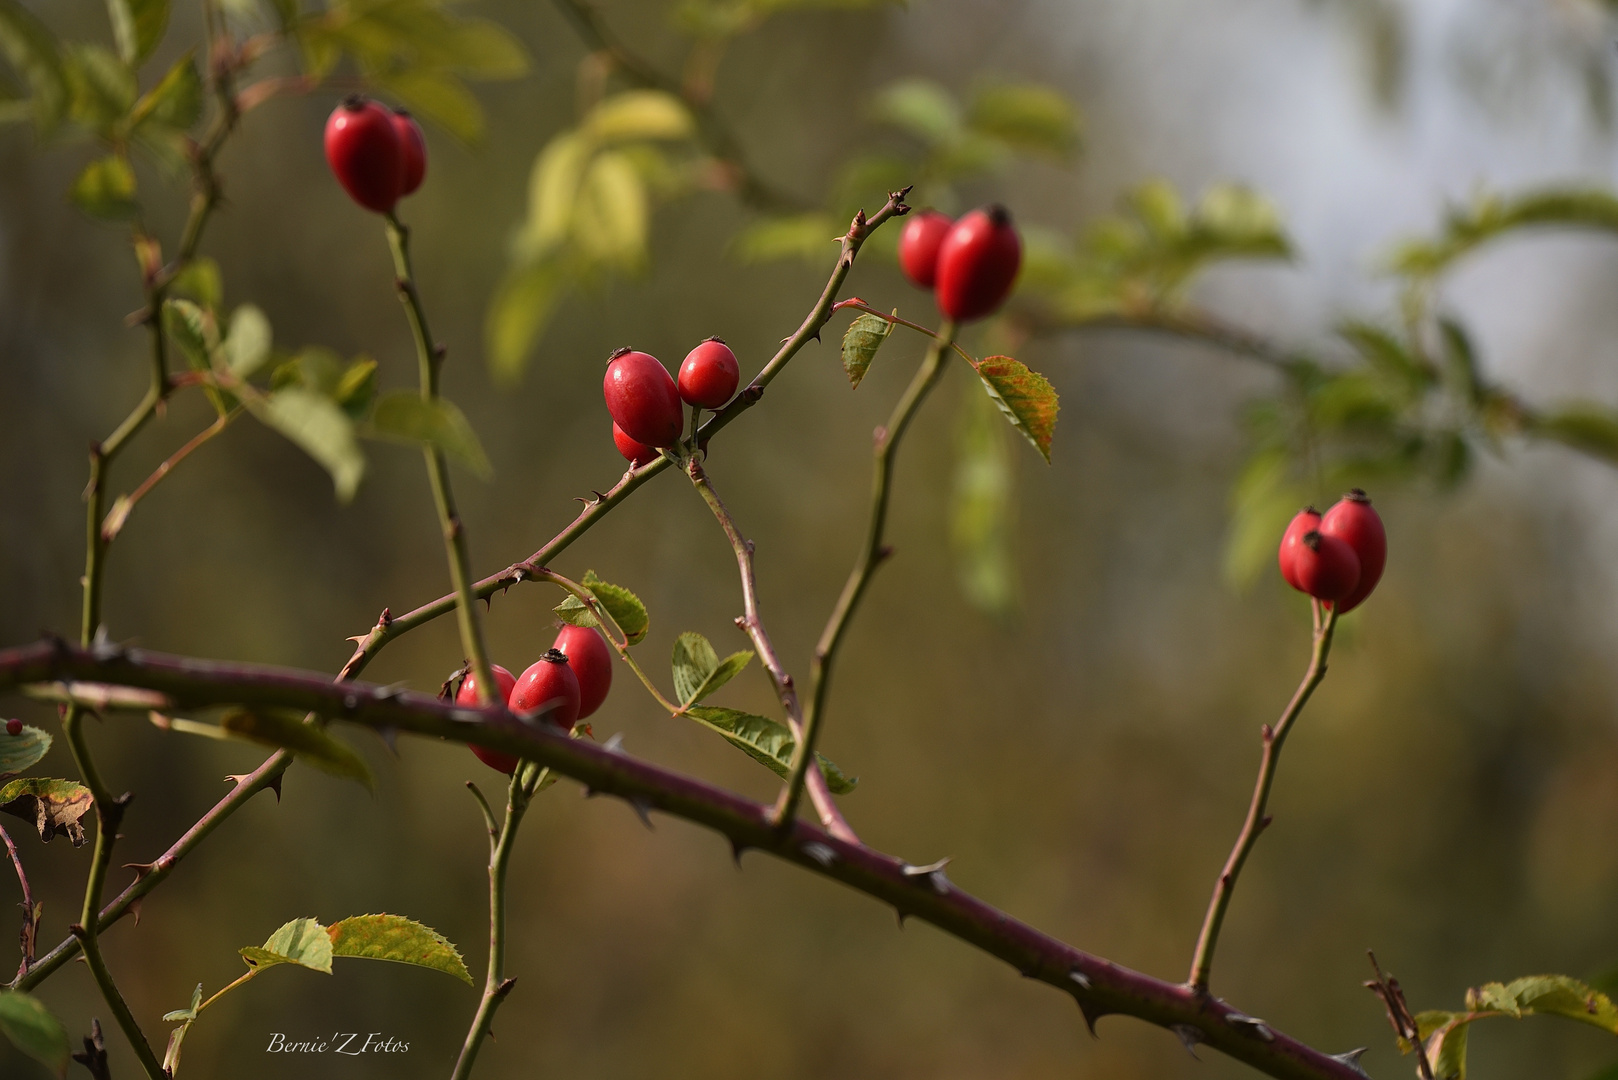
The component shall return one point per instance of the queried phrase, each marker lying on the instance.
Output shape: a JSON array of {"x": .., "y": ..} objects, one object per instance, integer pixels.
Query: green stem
[
  {"x": 430, "y": 358},
  {"x": 115, "y": 1001},
  {"x": 1257, "y": 820},
  {"x": 871, "y": 555},
  {"x": 496, "y": 986}
]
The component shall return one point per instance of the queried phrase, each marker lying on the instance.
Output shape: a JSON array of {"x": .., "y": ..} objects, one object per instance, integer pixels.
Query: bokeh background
[{"x": 1450, "y": 799}]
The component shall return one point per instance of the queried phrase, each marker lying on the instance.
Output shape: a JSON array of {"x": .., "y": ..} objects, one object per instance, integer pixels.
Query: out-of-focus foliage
[{"x": 1445, "y": 1033}]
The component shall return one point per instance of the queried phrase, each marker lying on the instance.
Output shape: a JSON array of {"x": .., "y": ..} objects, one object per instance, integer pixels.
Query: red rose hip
[
  {"x": 1327, "y": 567},
  {"x": 636, "y": 453},
  {"x": 412, "y": 152},
  {"x": 977, "y": 264},
  {"x": 13, "y": 727},
  {"x": 1355, "y": 522},
  {"x": 362, "y": 148},
  {"x": 709, "y": 374},
  {"x": 468, "y": 695},
  {"x": 1306, "y": 521},
  {"x": 591, "y": 660},
  {"x": 642, "y": 398},
  {"x": 549, "y": 681},
  {"x": 918, "y": 246}
]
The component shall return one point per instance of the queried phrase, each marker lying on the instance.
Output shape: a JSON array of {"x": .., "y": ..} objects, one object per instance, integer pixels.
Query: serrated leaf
[
  {"x": 52, "y": 805},
  {"x": 861, "y": 340},
  {"x": 31, "y": 49},
  {"x": 303, "y": 942},
  {"x": 321, "y": 429},
  {"x": 624, "y": 607},
  {"x": 311, "y": 743},
  {"x": 1025, "y": 397},
  {"x": 21, "y": 751},
  {"x": 639, "y": 114},
  {"x": 698, "y": 671},
  {"x": 176, "y": 101},
  {"x": 34, "y": 1030},
  {"x": 137, "y": 26},
  {"x": 406, "y": 415},
  {"x": 106, "y": 189},
  {"x": 1027, "y": 116},
  {"x": 188, "y": 1013},
  {"x": 401, "y": 940},
  {"x": 518, "y": 314},
  {"x": 766, "y": 741},
  {"x": 247, "y": 342}
]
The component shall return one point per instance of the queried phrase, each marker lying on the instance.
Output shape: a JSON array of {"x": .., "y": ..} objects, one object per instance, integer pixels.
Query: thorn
[
  {"x": 819, "y": 852},
  {"x": 1189, "y": 1038},
  {"x": 741, "y": 621},
  {"x": 1091, "y": 1015},
  {"x": 275, "y": 786},
  {"x": 899, "y": 913},
  {"x": 643, "y": 810},
  {"x": 615, "y": 744},
  {"x": 1253, "y": 1023},
  {"x": 1265, "y": 822},
  {"x": 1352, "y": 1060},
  {"x": 736, "y": 850},
  {"x": 922, "y": 871},
  {"x": 1079, "y": 979},
  {"x": 884, "y": 553},
  {"x": 390, "y": 736}
]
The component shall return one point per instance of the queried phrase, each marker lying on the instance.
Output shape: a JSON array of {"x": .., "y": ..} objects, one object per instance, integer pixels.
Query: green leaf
[
  {"x": 1552, "y": 995},
  {"x": 176, "y": 101},
  {"x": 921, "y": 107},
  {"x": 187, "y": 1013},
  {"x": 201, "y": 281},
  {"x": 102, "y": 86},
  {"x": 861, "y": 340},
  {"x": 34, "y": 1030},
  {"x": 23, "y": 750},
  {"x": 698, "y": 671},
  {"x": 405, "y": 415},
  {"x": 982, "y": 510},
  {"x": 611, "y": 211},
  {"x": 322, "y": 429},
  {"x": 553, "y": 188},
  {"x": 303, "y": 942},
  {"x": 1446, "y": 1050},
  {"x": 1489, "y": 217},
  {"x": 439, "y": 97},
  {"x": 1025, "y": 397},
  {"x": 624, "y": 607},
  {"x": 1584, "y": 427},
  {"x": 798, "y": 236},
  {"x": 401, "y": 940},
  {"x": 1028, "y": 117},
  {"x": 518, "y": 315},
  {"x": 52, "y": 805},
  {"x": 247, "y": 342},
  {"x": 767, "y": 742},
  {"x": 309, "y": 742},
  {"x": 106, "y": 189},
  {"x": 357, "y": 388},
  {"x": 639, "y": 114},
  {"x": 486, "y": 50},
  {"x": 31, "y": 49},
  {"x": 138, "y": 26}
]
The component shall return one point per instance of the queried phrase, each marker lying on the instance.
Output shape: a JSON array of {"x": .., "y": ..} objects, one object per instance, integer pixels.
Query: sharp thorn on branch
[
  {"x": 1352, "y": 1060},
  {"x": 1079, "y": 979},
  {"x": 1189, "y": 1036},
  {"x": 643, "y": 811},
  {"x": 737, "y": 849},
  {"x": 821, "y": 853}
]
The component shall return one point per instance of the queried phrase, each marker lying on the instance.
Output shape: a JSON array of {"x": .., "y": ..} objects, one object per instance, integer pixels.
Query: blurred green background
[{"x": 1449, "y": 800}]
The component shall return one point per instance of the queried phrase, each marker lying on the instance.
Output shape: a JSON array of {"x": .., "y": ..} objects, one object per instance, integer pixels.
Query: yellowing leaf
[
  {"x": 639, "y": 114},
  {"x": 861, "y": 340},
  {"x": 1025, "y": 397},
  {"x": 303, "y": 942},
  {"x": 401, "y": 940}
]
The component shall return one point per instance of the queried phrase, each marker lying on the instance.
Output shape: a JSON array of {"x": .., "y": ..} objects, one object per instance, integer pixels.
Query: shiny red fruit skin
[
  {"x": 918, "y": 246},
  {"x": 977, "y": 264},
  {"x": 1307, "y": 520},
  {"x": 591, "y": 660},
  {"x": 636, "y": 453},
  {"x": 1354, "y": 521},
  {"x": 1327, "y": 567},
  {"x": 709, "y": 375},
  {"x": 642, "y": 398},
  {"x": 412, "y": 152},
  {"x": 13, "y": 727},
  {"x": 468, "y": 695},
  {"x": 362, "y": 148},
  {"x": 549, "y": 680}
]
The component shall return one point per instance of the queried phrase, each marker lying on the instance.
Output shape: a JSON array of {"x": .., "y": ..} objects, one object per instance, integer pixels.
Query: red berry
[
  {"x": 918, "y": 246},
  {"x": 977, "y": 263},
  {"x": 1354, "y": 521},
  {"x": 636, "y": 453},
  {"x": 549, "y": 681},
  {"x": 13, "y": 727},
  {"x": 642, "y": 398},
  {"x": 468, "y": 695},
  {"x": 412, "y": 152},
  {"x": 362, "y": 148},
  {"x": 591, "y": 660},
  {"x": 709, "y": 374},
  {"x": 1327, "y": 567},
  {"x": 1306, "y": 521}
]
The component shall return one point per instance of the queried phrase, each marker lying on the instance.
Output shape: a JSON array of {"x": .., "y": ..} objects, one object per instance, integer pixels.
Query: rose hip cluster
[
  {"x": 644, "y": 399},
  {"x": 1336, "y": 557},
  {"x": 573, "y": 676},
  {"x": 969, "y": 264},
  {"x": 377, "y": 154}
]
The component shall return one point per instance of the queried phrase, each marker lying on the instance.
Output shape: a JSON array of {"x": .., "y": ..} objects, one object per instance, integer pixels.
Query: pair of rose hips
[
  {"x": 378, "y": 155},
  {"x": 573, "y": 677},
  {"x": 969, "y": 264},
  {"x": 644, "y": 399},
  {"x": 1337, "y": 557}
]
